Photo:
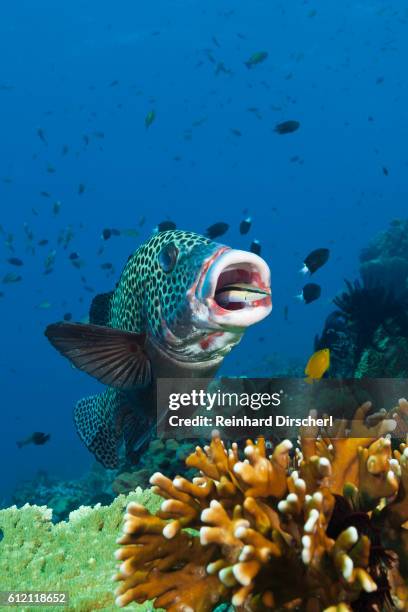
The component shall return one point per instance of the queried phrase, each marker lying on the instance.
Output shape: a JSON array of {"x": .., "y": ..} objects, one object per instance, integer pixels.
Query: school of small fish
[{"x": 26, "y": 248}]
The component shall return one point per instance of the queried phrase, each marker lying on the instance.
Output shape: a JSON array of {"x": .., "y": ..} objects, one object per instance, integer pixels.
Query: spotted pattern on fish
[
  {"x": 146, "y": 294},
  {"x": 155, "y": 319},
  {"x": 89, "y": 413}
]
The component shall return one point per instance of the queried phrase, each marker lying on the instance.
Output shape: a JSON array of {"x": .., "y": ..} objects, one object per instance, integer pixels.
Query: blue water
[{"x": 337, "y": 68}]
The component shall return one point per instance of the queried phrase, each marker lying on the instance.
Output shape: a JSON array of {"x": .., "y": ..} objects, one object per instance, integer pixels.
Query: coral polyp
[{"x": 319, "y": 527}]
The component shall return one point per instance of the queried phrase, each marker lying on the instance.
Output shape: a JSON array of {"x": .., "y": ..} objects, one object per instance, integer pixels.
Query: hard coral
[
  {"x": 309, "y": 530},
  {"x": 73, "y": 556}
]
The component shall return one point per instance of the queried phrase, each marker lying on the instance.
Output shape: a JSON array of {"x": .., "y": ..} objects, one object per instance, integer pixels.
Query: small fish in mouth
[
  {"x": 238, "y": 295},
  {"x": 181, "y": 304}
]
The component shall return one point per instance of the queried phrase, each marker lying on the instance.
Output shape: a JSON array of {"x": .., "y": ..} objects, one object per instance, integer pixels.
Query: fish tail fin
[
  {"x": 20, "y": 444},
  {"x": 96, "y": 420}
]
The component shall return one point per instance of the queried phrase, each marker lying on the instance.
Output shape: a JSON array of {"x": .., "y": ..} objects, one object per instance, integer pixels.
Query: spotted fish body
[
  {"x": 165, "y": 318},
  {"x": 146, "y": 294}
]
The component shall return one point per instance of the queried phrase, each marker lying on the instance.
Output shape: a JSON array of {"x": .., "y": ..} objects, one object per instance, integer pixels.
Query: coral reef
[
  {"x": 368, "y": 316},
  {"x": 101, "y": 485},
  {"x": 387, "y": 357},
  {"x": 168, "y": 455},
  {"x": 321, "y": 527},
  {"x": 337, "y": 337},
  {"x": 73, "y": 556},
  {"x": 64, "y": 496},
  {"x": 372, "y": 310},
  {"x": 385, "y": 259},
  {"x": 366, "y": 306}
]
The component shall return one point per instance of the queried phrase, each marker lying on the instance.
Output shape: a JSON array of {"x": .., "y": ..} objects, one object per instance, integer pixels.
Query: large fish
[{"x": 175, "y": 313}]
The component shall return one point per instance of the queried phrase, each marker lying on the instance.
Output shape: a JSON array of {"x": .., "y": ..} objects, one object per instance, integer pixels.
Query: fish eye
[{"x": 168, "y": 257}]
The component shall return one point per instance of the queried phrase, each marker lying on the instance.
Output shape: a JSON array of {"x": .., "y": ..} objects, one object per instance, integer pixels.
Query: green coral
[{"x": 75, "y": 555}]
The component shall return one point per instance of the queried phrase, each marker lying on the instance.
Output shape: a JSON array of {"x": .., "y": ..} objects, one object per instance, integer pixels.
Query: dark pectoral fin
[{"x": 116, "y": 358}]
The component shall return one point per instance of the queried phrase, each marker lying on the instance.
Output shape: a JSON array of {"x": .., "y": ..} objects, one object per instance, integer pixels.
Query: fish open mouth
[{"x": 236, "y": 288}]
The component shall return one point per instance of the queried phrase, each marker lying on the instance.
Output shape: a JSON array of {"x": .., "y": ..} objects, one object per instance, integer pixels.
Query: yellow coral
[{"x": 265, "y": 519}]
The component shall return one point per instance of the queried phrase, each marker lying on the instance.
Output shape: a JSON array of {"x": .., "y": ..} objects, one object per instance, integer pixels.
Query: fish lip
[{"x": 227, "y": 260}]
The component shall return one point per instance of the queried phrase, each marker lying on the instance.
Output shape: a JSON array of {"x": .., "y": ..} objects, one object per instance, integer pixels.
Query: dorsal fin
[{"x": 100, "y": 309}]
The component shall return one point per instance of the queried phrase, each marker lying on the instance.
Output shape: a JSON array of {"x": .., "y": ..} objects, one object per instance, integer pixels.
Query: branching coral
[{"x": 308, "y": 529}]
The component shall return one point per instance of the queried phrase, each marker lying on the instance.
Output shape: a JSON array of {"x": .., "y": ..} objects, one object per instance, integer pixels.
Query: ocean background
[{"x": 78, "y": 70}]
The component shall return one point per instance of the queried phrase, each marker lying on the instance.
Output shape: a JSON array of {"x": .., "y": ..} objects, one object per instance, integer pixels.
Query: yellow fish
[{"x": 317, "y": 365}]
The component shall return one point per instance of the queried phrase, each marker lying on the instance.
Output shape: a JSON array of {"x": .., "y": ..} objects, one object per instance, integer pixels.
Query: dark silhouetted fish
[
  {"x": 245, "y": 225},
  {"x": 255, "y": 247},
  {"x": 49, "y": 261},
  {"x": 256, "y": 58},
  {"x": 220, "y": 67},
  {"x": 310, "y": 293},
  {"x": 11, "y": 277},
  {"x": 106, "y": 233},
  {"x": 215, "y": 41},
  {"x": 15, "y": 261},
  {"x": 150, "y": 118},
  {"x": 287, "y": 127},
  {"x": 216, "y": 230},
  {"x": 165, "y": 226},
  {"x": 41, "y": 135},
  {"x": 315, "y": 260},
  {"x": 38, "y": 438},
  {"x": 162, "y": 320}
]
